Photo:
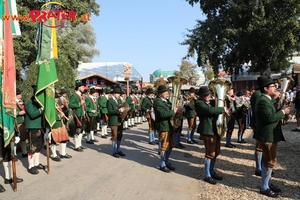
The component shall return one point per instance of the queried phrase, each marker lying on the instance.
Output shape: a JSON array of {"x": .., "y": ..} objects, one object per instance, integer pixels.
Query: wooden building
[{"x": 98, "y": 81}]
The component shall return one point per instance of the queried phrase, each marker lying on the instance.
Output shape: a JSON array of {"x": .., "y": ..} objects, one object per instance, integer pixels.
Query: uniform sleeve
[
  {"x": 74, "y": 102},
  {"x": 32, "y": 111}
]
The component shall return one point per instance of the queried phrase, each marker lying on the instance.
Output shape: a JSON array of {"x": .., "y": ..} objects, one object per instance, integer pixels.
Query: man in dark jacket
[
  {"x": 115, "y": 122},
  {"x": 163, "y": 113},
  {"x": 268, "y": 133},
  {"x": 35, "y": 127},
  {"x": 208, "y": 132}
]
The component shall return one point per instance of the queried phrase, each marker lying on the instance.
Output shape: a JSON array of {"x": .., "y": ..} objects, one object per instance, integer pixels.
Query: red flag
[{"x": 9, "y": 67}]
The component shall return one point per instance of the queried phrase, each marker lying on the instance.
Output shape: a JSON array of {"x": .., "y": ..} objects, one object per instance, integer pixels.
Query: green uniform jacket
[
  {"x": 268, "y": 123},
  {"x": 130, "y": 102},
  {"x": 102, "y": 101},
  {"x": 75, "y": 103},
  {"x": 90, "y": 106},
  {"x": 58, "y": 122},
  {"x": 163, "y": 112},
  {"x": 113, "y": 112},
  {"x": 34, "y": 115},
  {"x": 146, "y": 104},
  {"x": 20, "y": 118},
  {"x": 207, "y": 113},
  {"x": 189, "y": 111}
]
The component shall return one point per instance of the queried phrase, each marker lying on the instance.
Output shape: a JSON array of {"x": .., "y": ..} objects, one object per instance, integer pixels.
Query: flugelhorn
[{"x": 285, "y": 84}]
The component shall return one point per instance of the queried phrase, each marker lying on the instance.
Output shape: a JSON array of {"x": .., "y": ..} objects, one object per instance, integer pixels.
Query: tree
[
  {"x": 188, "y": 71},
  {"x": 234, "y": 32},
  {"x": 76, "y": 42}
]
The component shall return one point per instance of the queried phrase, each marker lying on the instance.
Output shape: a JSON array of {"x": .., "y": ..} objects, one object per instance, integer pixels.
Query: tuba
[
  {"x": 285, "y": 84},
  {"x": 175, "y": 98},
  {"x": 126, "y": 109},
  {"x": 220, "y": 88}
]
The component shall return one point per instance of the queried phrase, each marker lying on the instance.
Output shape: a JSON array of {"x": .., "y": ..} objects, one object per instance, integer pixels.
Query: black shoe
[
  {"x": 229, "y": 146},
  {"x": 242, "y": 141},
  {"x": 2, "y": 189},
  {"x": 9, "y": 181},
  {"x": 200, "y": 138},
  {"x": 296, "y": 130},
  {"x": 103, "y": 136},
  {"x": 190, "y": 142},
  {"x": 33, "y": 170},
  {"x": 152, "y": 143},
  {"x": 158, "y": 152},
  {"x": 181, "y": 145},
  {"x": 181, "y": 135},
  {"x": 121, "y": 153},
  {"x": 274, "y": 188},
  {"x": 89, "y": 142},
  {"x": 232, "y": 145},
  {"x": 78, "y": 149},
  {"x": 82, "y": 147},
  {"x": 116, "y": 155},
  {"x": 24, "y": 155},
  {"x": 40, "y": 166},
  {"x": 170, "y": 167},
  {"x": 65, "y": 156},
  {"x": 194, "y": 141},
  {"x": 94, "y": 140},
  {"x": 210, "y": 180},
  {"x": 56, "y": 159},
  {"x": 178, "y": 147},
  {"x": 257, "y": 173},
  {"x": 217, "y": 177},
  {"x": 164, "y": 169},
  {"x": 269, "y": 193}
]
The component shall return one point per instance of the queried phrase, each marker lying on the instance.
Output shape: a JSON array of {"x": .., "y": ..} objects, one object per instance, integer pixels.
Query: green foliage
[
  {"x": 236, "y": 31},
  {"x": 188, "y": 71},
  {"x": 76, "y": 41}
]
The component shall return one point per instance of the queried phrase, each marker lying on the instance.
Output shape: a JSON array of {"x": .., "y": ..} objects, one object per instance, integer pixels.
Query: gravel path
[{"x": 95, "y": 174}]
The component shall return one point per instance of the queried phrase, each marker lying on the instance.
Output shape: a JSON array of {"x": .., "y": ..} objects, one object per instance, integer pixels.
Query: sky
[{"x": 145, "y": 33}]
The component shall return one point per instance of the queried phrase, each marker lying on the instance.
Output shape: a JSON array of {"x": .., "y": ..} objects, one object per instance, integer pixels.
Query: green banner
[
  {"x": 6, "y": 118},
  {"x": 47, "y": 76}
]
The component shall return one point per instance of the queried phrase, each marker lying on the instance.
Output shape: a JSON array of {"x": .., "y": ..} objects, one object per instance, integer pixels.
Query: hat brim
[
  {"x": 79, "y": 85},
  {"x": 266, "y": 84},
  {"x": 204, "y": 94},
  {"x": 160, "y": 91}
]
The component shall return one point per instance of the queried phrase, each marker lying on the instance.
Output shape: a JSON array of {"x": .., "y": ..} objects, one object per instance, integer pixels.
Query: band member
[
  {"x": 131, "y": 101},
  {"x": 163, "y": 112},
  {"x": 207, "y": 129},
  {"x": 21, "y": 112},
  {"x": 5, "y": 153},
  {"x": 91, "y": 109},
  {"x": 115, "y": 122},
  {"x": 147, "y": 108},
  {"x": 190, "y": 116},
  {"x": 231, "y": 105},
  {"x": 258, "y": 150},
  {"x": 241, "y": 114},
  {"x": 138, "y": 106},
  {"x": 104, "y": 113},
  {"x": 77, "y": 103},
  {"x": 143, "y": 95},
  {"x": 268, "y": 133},
  {"x": 123, "y": 99},
  {"x": 63, "y": 102},
  {"x": 59, "y": 134},
  {"x": 35, "y": 127}
]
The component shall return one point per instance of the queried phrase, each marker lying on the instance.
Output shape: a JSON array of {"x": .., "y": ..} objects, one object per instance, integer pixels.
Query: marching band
[{"x": 99, "y": 109}]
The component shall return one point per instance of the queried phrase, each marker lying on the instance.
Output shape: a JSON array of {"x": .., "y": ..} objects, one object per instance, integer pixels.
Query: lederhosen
[{"x": 59, "y": 132}]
